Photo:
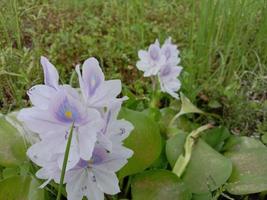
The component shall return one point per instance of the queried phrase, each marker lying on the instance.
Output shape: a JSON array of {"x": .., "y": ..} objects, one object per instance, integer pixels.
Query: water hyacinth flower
[
  {"x": 96, "y": 91},
  {"x": 97, "y": 176},
  {"x": 91, "y": 178},
  {"x": 150, "y": 61},
  {"x": 52, "y": 116},
  {"x": 171, "y": 53},
  {"x": 96, "y": 150},
  {"x": 53, "y": 146},
  {"x": 168, "y": 79},
  {"x": 162, "y": 61}
]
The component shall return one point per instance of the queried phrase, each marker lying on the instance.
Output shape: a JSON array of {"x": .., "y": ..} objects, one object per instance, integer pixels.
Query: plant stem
[
  {"x": 154, "y": 101},
  {"x": 66, "y": 156},
  {"x": 127, "y": 188}
]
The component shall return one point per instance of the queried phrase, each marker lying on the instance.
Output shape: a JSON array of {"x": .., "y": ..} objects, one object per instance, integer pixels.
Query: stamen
[{"x": 68, "y": 114}]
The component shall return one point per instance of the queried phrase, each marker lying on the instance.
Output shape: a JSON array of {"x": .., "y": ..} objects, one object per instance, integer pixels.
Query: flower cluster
[
  {"x": 96, "y": 150},
  {"x": 162, "y": 61}
]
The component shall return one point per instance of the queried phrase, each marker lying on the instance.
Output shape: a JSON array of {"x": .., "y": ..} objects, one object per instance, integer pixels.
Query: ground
[{"x": 223, "y": 47}]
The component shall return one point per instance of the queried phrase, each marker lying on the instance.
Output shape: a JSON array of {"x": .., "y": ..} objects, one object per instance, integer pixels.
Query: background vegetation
[{"x": 223, "y": 47}]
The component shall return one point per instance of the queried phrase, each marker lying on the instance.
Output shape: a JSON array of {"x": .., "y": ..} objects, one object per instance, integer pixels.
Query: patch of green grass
[{"x": 223, "y": 47}]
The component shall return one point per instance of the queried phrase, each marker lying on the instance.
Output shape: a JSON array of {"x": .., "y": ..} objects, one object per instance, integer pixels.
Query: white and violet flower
[
  {"x": 151, "y": 60},
  {"x": 52, "y": 117},
  {"x": 168, "y": 79},
  {"x": 96, "y": 150},
  {"x": 162, "y": 61},
  {"x": 90, "y": 178},
  {"x": 171, "y": 53},
  {"x": 97, "y": 176}
]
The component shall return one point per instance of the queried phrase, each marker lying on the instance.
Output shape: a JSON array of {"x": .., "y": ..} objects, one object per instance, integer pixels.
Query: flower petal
[
  {"x": 114, "y": 160},
  {"x": 106, "y": 93},
  {"x": 75, "y": 182},
  {"x": 74, "y": 155},
  {"x": 86, "y": 138},
  {"x": 39, "y": 121},
  {"x": 119, "y": 130},
  {"x": 50, "y": 73},
  {"x": 107, "y": 181},
  {"x": 93, "y": 192},
  {"x": 92, "y": 76},
  {"x": 41, "y": 95}
]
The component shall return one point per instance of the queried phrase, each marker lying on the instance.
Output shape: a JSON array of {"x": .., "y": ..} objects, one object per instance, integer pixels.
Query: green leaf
[
  {"x": 11, "y": 171},
  {"x": 207, "y": 169},
  {"x": 153, "y": 113},
  {"x": 216, "y": 137},
  {"x": 175, "y": 147},
  {"x": 166, "y": 115},
  {"x": 161, "y": 162},
  {"x": 264, "y": 138},
  {"x": 144, "y": 140},
  {"x": 237, "y": 143},
  {"x": 158, "y": 185},
  {"x": 20, "y": 188},
  {"x": 249, "y": 167},
  {"x": 214, "y": 104},
  {"x": 187, "y": 106},
  {"x": 204, "y": 196},
  {"x": 184, "y": 159},
  {"x": 12, "y": 145}
]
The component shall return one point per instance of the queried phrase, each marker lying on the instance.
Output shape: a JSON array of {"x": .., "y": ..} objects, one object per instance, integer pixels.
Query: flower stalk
[
  {"x": 155, "y": 95},
  {"x": 65, "y": 161}
]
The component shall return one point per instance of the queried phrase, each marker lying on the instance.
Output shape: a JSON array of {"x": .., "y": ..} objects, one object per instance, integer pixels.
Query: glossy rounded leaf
[
  {"x": 175, "y": 147},
  {"x": 207, "y": 169},
  {"x": 237, "y": 143},
  {"x": 161, "y": 162},
  {"x": 216, "y": 137},
  {"x": 144, "y": 140},
  {"x": 153, "y": 113},
  {"x": 12, "y": 145},
  {"x": 204, "y": 196},
  {"x": 249, "y": 168},
  {"x": 20, "y": 188},
  {"x": 158, "y": 185},
  {"x": 166, "y": 116}
]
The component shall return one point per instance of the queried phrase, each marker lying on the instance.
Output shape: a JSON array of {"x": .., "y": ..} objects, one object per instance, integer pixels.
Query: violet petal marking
[
  {"x": 98, "y": 156},
  {"x": 166, "y": 71},
  {"x": 82, "y": 163},
  {"x": 67, "y": 113},
  {"x": 94, "y": 84},
  {"x": 154, "y": 52}
]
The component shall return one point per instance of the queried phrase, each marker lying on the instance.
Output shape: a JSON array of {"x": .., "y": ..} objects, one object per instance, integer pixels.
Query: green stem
[
  {"x": 154, "y": 101},
  {"x": 72, "y": 77},
  {"x": 66, "y": 155},
  {"x": 127, "y": 188}
]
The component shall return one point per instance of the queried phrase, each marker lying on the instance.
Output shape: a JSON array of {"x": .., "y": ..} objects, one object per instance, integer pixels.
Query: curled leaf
[
  {"x": 184, "y": 159},
  {"x": 186, "y": 107}
]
